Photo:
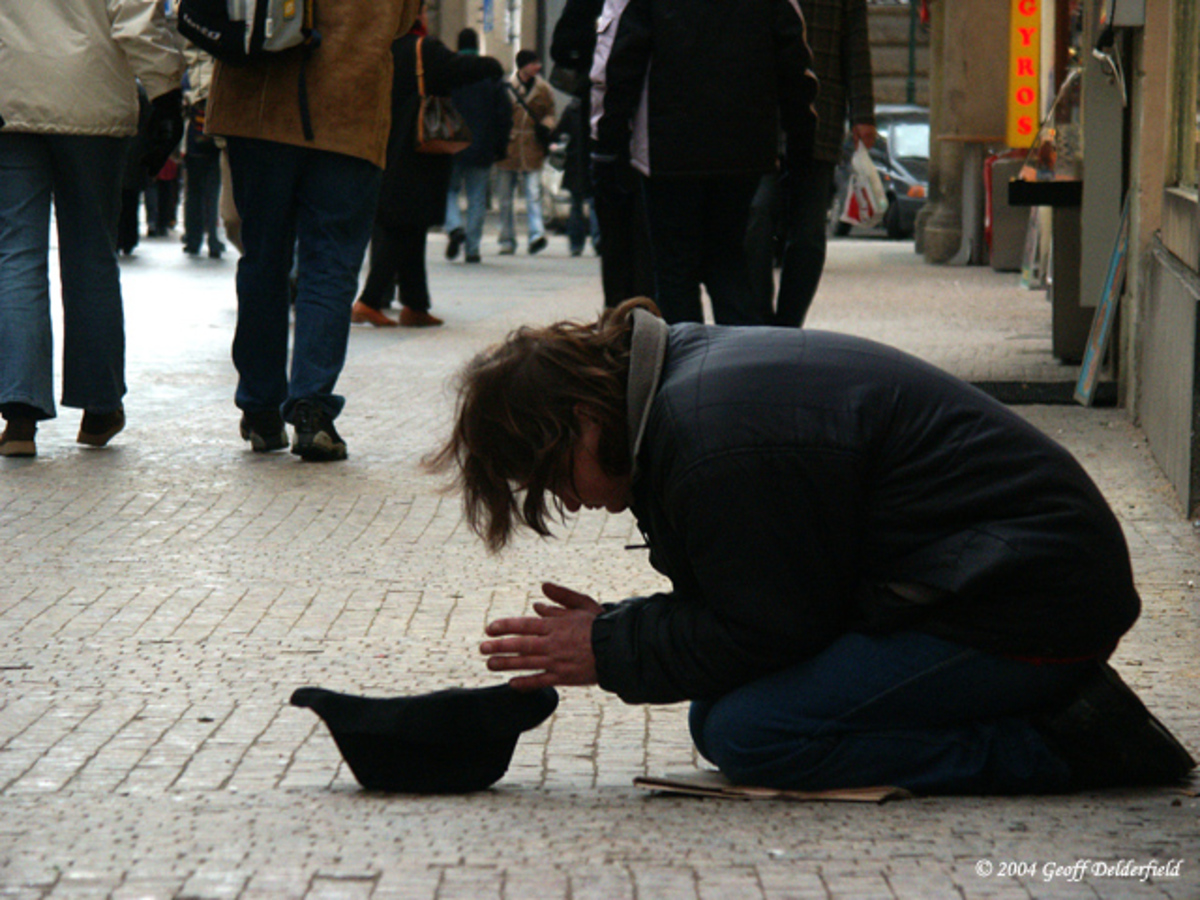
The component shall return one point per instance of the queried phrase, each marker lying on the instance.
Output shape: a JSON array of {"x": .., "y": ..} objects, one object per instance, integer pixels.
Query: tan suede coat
[{"x": 349, "y": 84}]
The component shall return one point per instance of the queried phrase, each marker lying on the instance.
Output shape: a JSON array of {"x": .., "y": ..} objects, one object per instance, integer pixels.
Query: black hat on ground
[{"x": 448, "y": 742}]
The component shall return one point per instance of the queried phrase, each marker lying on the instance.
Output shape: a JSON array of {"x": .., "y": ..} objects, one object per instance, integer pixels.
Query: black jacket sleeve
[
  {"x": 446, "y": 70},
  {"x": 797, "y": 83},
  {"x": 574, "y": 39},
  {"x": 755, "y": 547}
]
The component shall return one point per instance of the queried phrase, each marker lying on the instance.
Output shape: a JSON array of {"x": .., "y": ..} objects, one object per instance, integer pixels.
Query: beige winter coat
[
  {"x": 349, "y": 84},
  {"x": 525, "y": 154},
  {"x": 69, "y": 66}
]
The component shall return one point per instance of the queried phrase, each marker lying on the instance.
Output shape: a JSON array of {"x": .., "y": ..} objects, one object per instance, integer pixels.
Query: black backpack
[{"x": 241, "y": 31}]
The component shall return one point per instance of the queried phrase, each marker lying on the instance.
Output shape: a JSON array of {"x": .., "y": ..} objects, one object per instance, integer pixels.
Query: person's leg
[
  {"x": 807, "y": 192},
  {"x": 26, "y": 338},
  {"x": 453, "y": 213},
  {"x": 675, "y": 208},
  {"x": 723, "y": 267},
  {"x": 577, "y": 225},
  {"x": 506, "y": 185},
  {"x": 532, "y": 185},
  {"x": 476, "y": 180},
  {"x": 337, "y": 198},
  {"x": 904, "y": 709},
  {"x": 87, "y": 206},
  {"x": 193, "y": 206},
  {"x": 760, "y": 243},
  {"x": 383, "y": 264},
  {"x": 410, "y": 268},
  {"x": 211, "y": 193},
  {"x": 265, "y": 177}
]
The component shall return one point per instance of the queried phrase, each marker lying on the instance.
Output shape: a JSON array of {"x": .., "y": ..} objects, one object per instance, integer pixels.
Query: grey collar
[{"x": 647, "y": 350}]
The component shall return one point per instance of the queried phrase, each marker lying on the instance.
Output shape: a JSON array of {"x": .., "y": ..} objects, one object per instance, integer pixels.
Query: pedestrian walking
[
  {"x": 533, "y": 121},
  {"x": 796, "y": 200},
  {"x": 692, "y": 97},
  {"x": 201, "y": 161},
  {"x": 415, "y": 184},
  {"x": 306, "y": 170},
  {"x": 879, "y": 574},
  {"x": 626, "y": 263},
  {"x": 66, "y": 123},
  {"x": 486, "y": 107}
]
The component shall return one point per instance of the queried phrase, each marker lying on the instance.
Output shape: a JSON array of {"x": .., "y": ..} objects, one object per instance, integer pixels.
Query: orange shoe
[
  {"x": 413, "y": 318},
  {"x": 360, "y": 313}
]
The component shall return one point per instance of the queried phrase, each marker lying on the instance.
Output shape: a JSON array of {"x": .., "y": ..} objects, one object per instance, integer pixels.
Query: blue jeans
[
  {"x": 83, "y": 175},
  {"x": 903, "y": 709},
  {"x": 807, "y": 192},
  {"x": 475, "y": 180},
  {"x": 200, "y": 204},
  {"x": 698, "y": 231},
  {"x": 506, "y": 185},
  {"x": 316, "y": 207}
]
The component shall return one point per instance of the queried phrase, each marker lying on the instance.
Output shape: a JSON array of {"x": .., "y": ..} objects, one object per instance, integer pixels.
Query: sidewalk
[{"x": 160, "y": 599}]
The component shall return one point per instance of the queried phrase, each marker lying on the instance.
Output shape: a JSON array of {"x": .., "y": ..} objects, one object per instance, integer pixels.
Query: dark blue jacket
[
  {"x": 487, "y": 109},
  {"x": 796, "y": 485}
]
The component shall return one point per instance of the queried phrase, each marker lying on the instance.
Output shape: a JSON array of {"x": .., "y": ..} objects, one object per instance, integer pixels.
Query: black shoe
[
  {"x": 538, "y": 246},
  {"x": 457, "y": 236},
  {"x": 1109, "y": 739},
  {"x": 316, "y": 440},
  {"x": 215, "y": 252},
  {"x": 473, "y": 258},
  {"x": 264, "y": 430},
  {"x": 97, "y": 429}
]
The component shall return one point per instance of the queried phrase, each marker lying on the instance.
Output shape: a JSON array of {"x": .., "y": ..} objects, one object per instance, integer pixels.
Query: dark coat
[
  {"x": 487, "y": 108},
  {"x": 717, "y": 82},
  {"x": 573, "y": 126},
  {"x": 798, "y": 485},
  {"x": 415, "y": 184}
]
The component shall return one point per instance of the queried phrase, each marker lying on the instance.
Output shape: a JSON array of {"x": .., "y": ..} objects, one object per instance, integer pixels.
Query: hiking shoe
[
  {"x": 316, "y": 440},
  {"x": 538, "y": 246},
  {"x": 264, "y": 430},
  {"x": 1109, "y": 739},
  {"x": 17, "y": 439},
  {"x": 457, "y": 236},
  {"x": 97, "y": 429}
]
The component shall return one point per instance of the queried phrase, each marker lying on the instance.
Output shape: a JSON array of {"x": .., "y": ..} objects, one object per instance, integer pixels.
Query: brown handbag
[{"x": 440, "y": 127}]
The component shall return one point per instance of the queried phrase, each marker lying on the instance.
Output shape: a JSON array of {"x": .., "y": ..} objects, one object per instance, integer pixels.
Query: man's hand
[
  {"x": 556, "y": 644},
  {"x": 164, "y": 131},
  {"x": 865, "y": 135}
]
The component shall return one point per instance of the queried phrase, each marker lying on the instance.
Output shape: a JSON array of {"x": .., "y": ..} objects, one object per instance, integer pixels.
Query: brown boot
[
  {"x": 415, "y": 318},
  {"x": 17, "y": 439},
  {"x": 97, "y": 429}
]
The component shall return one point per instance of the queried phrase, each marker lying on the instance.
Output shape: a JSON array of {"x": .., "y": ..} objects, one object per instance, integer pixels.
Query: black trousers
[
  {"x": 626, "y": 262},
  {"x": 397, "y": 258}
]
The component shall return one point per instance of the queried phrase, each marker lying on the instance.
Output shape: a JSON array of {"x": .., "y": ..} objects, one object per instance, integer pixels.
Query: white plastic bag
[{"x": 866, "y": 200}]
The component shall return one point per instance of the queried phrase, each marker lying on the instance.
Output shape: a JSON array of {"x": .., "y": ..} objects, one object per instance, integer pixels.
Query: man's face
[
  {"x": 529, "y": 70},
  {"x": 591, "y": 486}
]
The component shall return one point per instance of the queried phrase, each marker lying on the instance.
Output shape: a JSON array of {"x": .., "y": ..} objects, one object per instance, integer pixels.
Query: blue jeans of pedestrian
[
  {"x": 904, "y": 709},
  {"x": 317, "y": 208},
  {"x": 807, "y": 192},
  {"x": 83, "y": 175},
  {"x": 698, "y": 230},
  {"x": 474, "y": 179},
  {"x": 202, "y": 201},
  {"x": 506, "y": 185}
]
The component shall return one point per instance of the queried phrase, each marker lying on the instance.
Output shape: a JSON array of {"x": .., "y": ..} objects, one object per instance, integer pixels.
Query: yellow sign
[{"x": 1024, "y": 57}]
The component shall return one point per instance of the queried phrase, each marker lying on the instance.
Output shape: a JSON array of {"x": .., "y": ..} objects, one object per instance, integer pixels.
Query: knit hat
[
  {"x": 448, "y": 742},
  {"x": 468, "y": 41},
  {"x": 525, "y": 57}
]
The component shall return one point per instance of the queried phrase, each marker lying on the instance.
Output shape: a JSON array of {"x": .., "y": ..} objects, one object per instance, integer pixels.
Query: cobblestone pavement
[{"x": 160, "y": 599}]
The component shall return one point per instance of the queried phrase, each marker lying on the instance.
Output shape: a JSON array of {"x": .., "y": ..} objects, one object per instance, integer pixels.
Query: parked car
[{"x": 901, "y": 154}]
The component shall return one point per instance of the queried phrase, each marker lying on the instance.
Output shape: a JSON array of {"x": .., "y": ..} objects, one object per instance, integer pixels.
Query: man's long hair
[{"x": 516, "y": 424}]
